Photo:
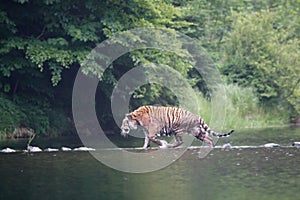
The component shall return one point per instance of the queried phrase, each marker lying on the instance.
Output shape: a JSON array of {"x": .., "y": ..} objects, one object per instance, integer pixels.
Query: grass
[{"x": 243, "y": 110}]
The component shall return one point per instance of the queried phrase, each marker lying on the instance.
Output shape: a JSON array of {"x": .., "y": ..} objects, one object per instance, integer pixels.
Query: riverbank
[{"x": 21, "y": 118}]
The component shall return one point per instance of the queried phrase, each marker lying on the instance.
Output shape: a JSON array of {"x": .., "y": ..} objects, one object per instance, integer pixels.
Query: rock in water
[
  {"x": 227, "y": 146},
  {"x": 164, "y": 144},
  {"x": 34, "y": 149},
  {"x": 66, "y": 149},
  {"x": 51, "y": 150},
  {"x": 296, "y": 144},
  {"x": 268, "y": 145},
  {"x": 84, "y": 149},
  {"x": 8, "y": 150}
]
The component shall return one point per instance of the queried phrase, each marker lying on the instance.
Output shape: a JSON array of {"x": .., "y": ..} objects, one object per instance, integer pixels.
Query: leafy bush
[
  {"x": 10, "y": 115},
  {"x": 262, "y": 52},
  {"x": 36, "y": 114}
]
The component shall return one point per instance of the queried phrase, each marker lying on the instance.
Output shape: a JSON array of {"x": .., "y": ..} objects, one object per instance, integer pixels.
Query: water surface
[{"x": 262, "y": 173}]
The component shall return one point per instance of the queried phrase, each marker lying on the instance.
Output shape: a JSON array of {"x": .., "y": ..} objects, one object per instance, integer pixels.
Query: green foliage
[
  {"x": 262, "y": 51},
  {"x": 10, "y": 115},
  {"x": 41, "y": 42},
  {"x": 59, "y": 34},
  {"x": 42, "y": 39},
  {"x": 33, "y": 113},
  {"x": 243, "y": 110},
  {"x": 153, "y": 94}
]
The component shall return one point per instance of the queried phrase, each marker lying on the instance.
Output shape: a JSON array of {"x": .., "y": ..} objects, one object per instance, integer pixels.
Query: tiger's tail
[
  {"x": 219, "y": 135},
  {"x": 213, "y": 133}
]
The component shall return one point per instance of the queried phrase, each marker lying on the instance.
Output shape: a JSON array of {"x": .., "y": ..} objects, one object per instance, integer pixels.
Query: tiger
[{"x": 170, "y": 121}]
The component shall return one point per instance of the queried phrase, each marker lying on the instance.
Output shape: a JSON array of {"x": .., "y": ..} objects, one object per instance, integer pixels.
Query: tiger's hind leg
[
  {"x": 206, "y": 139},
  {"x": 178, "y": 141},
  {"x": 200, "y": 134}
]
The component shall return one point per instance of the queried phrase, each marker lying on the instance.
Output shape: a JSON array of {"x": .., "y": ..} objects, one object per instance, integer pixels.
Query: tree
[
  {"x": 262, "y": 51},
  {"x": 54, "y": 35},
  {"x": 40, "y": 40}
]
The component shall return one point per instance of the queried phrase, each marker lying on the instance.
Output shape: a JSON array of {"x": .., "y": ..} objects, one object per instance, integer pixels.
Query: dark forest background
[{"x": 43, "y": 44}]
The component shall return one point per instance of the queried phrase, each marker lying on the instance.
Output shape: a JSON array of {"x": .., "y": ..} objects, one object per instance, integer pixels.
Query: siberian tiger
[{"x": 170, "y": 121}]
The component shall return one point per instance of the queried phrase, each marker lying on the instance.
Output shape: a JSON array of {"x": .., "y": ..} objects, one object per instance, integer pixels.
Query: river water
[{"x": 241, "y": 173}]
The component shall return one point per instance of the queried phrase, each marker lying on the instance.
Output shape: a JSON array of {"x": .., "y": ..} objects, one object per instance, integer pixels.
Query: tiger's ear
[{"x": 141, "y": 116}]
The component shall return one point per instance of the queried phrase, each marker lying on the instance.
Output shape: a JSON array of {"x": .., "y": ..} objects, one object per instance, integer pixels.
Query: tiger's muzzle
[
  {"x": 127, "y": 125},
  {"x": 125, "y": 131}
]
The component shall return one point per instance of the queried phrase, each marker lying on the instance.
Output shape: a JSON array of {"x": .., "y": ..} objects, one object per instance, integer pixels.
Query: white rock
[
  {"x": 66, "y": 149},
  {"x": 84, "y": 149},
  {"x": 271, "y": 145},
  {"x": 296, "y": 144},
  {"x": 227, "y": 146},
  {"x": 34, "y": 149},
  {"x": 51, "y": 150},
  {"x": 164, "y": 144},
  {"x": 8, "y": 150}
]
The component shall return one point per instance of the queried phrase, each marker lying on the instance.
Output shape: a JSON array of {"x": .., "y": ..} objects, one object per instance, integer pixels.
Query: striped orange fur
[{"x": 169, "y": 121}]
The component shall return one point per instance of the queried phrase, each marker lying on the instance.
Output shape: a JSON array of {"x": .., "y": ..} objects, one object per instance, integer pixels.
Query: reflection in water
[{"x": 235, "y": 174}]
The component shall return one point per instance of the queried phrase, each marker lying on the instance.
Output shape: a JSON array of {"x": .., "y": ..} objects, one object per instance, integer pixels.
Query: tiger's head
[{"x": 128, "y": 123}]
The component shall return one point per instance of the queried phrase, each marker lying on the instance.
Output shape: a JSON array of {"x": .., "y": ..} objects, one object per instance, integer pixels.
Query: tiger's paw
[
  {"x": 164, "y": 144},
  {"x": 146, "y": 147}
]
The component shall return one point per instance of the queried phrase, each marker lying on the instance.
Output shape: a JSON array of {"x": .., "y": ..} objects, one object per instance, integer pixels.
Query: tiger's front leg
[
  {"x": 147, "y": 140},
  {"x": 152, "y": 137},
  {"x": 157, "y": 141}
]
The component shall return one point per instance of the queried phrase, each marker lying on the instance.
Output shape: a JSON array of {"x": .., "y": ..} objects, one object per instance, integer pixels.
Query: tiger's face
[{"x": 127, "y": 124}]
